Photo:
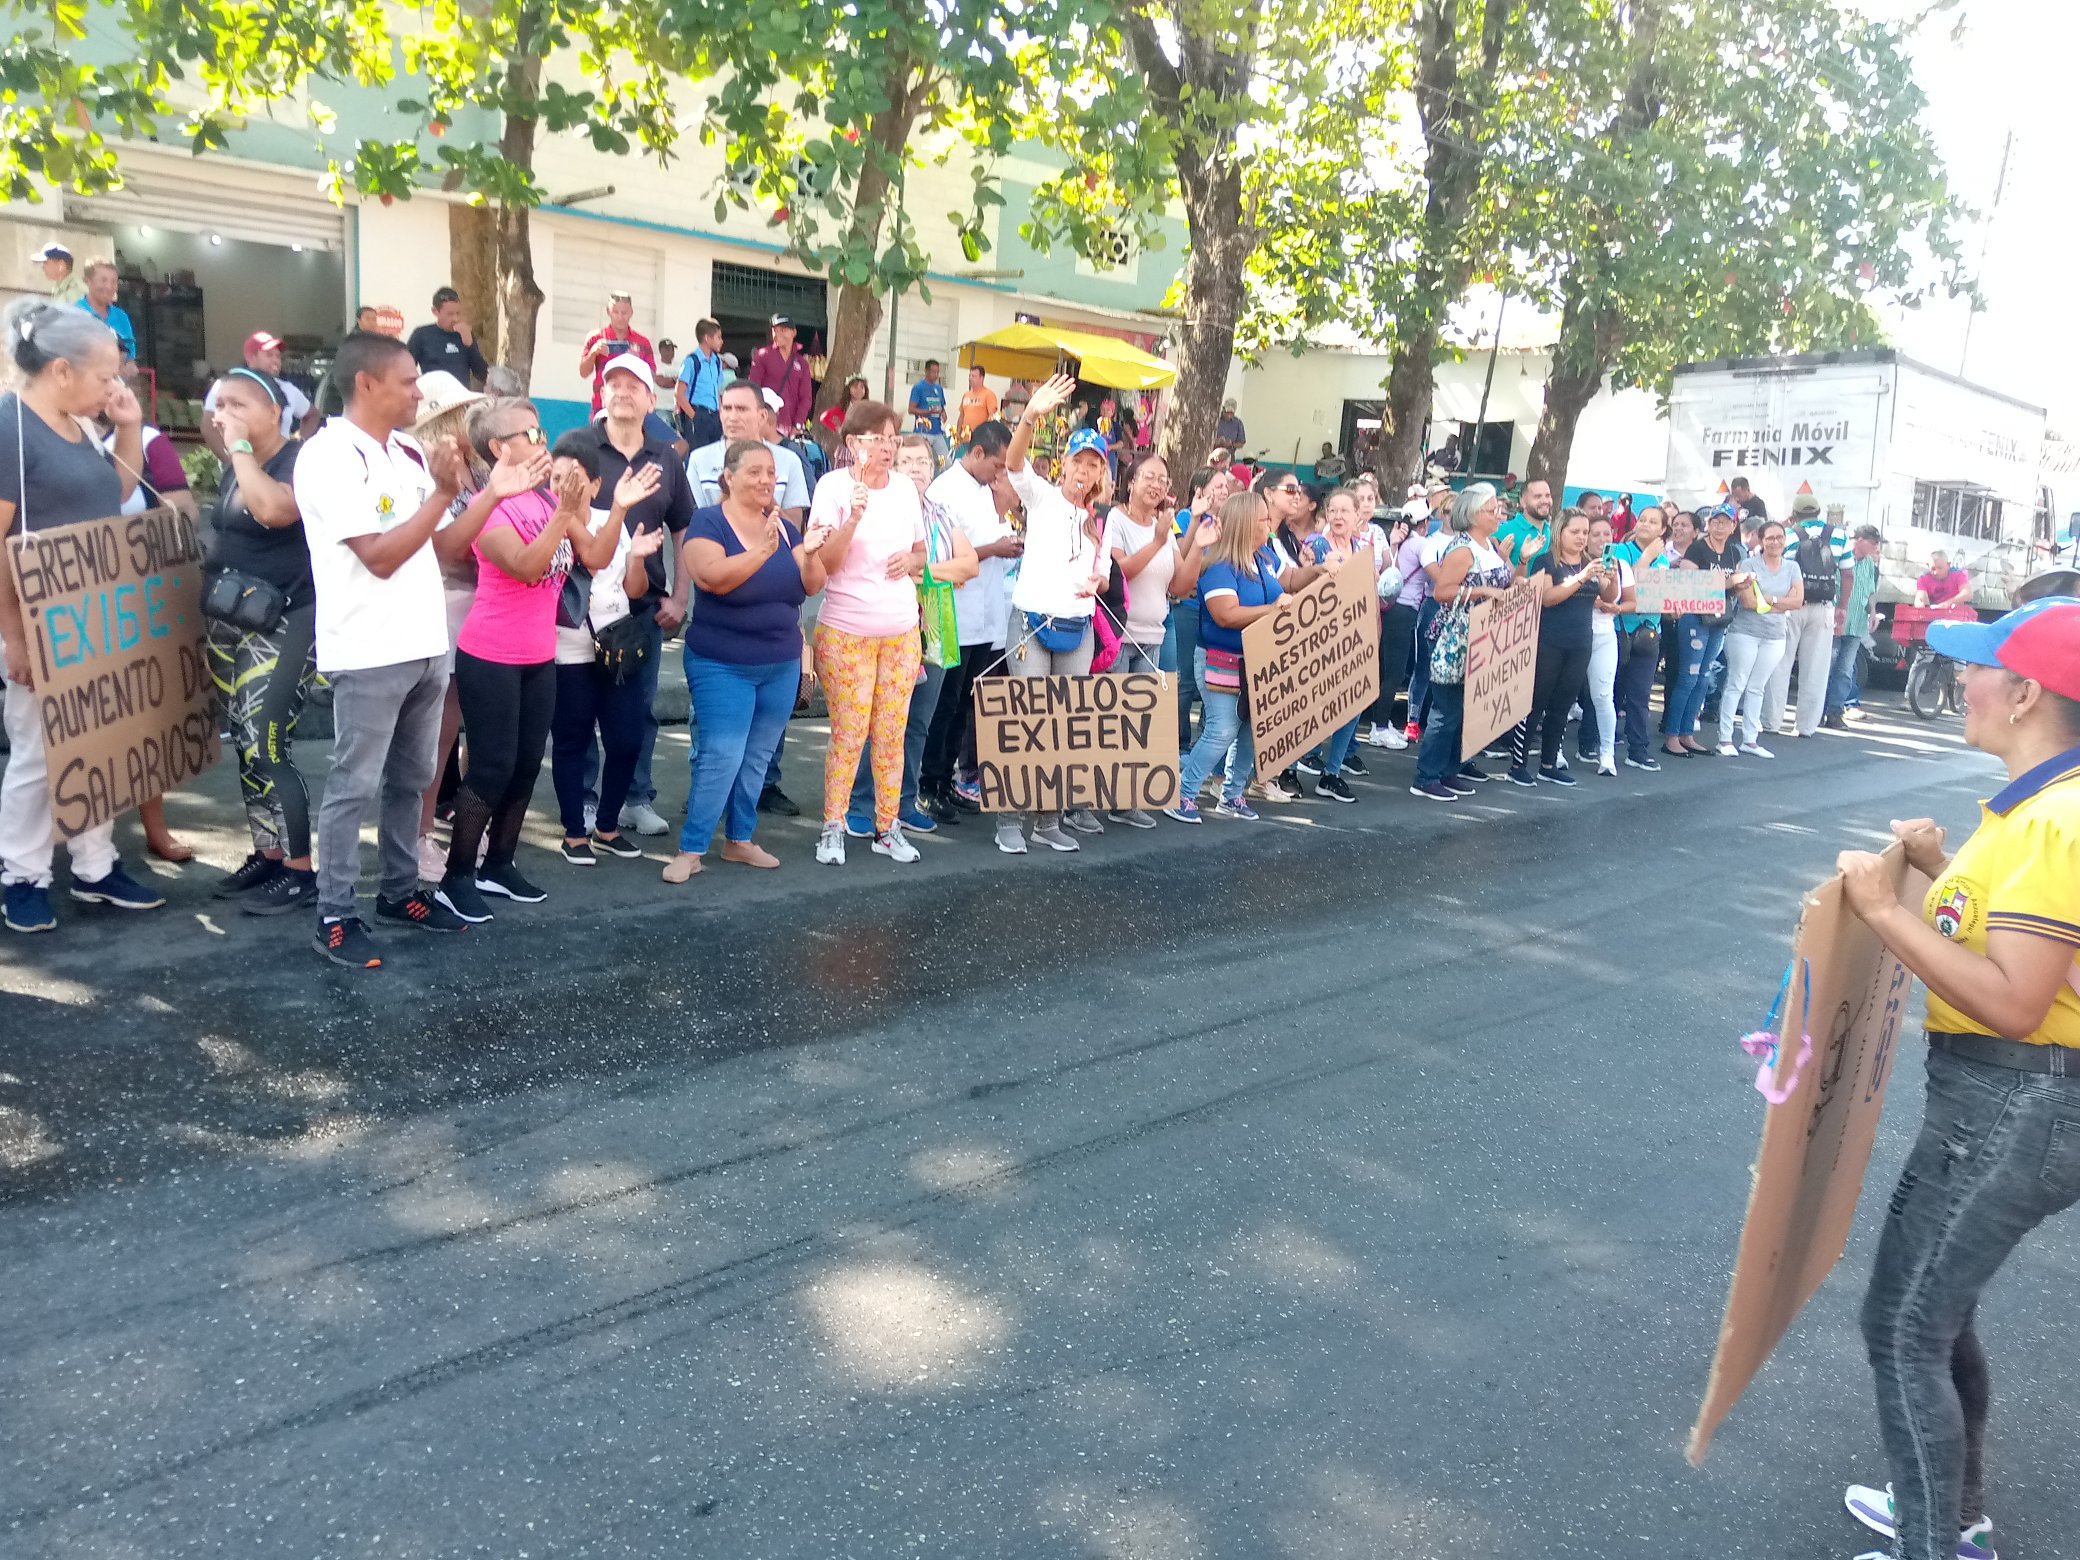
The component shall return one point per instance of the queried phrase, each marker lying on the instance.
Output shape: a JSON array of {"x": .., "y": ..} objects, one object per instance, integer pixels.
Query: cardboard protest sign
[
  {"x": 1501, "y": 660},
  {"x": 1850, "y": 995},
  {"x": 1047, "y": 744},
  {"x": 1666, "y": 592},
  {"x": 1313, "y": 664},
  {"x": 123, "y": 693}
]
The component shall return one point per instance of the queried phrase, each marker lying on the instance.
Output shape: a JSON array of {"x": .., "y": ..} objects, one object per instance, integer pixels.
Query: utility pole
[
  {"x": 2000, "y": 186},
  {"x": 1468, "y": 458}
]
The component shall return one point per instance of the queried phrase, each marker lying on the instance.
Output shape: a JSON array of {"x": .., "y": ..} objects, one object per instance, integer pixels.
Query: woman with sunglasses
[
  {"x": 1060, "y": 574},
  {"x": 871, "y": 527},
  {"x": 505, "y": 662}
]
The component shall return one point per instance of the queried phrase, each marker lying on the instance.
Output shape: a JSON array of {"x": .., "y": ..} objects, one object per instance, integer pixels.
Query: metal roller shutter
[{"x": 211, "y": 195}]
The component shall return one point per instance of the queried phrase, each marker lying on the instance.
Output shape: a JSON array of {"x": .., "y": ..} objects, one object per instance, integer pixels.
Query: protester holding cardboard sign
[
  {"x": 1059, "y": 576},
  {"x": 1468, "y": 570},
  {"x": 1237, "y": 586},
  {"x": 53, "y": 473},
  {"x": 1999, "y": 1151}
]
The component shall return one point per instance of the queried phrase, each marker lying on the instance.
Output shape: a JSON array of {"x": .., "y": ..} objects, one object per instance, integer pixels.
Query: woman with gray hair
[
  {"x": 1467, "y": 569},
  {"x": 53, "y": 473}
]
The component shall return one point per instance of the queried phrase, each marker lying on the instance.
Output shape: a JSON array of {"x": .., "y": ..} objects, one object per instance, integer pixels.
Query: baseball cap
[
  {"x": 2040, "y": 641},
  {"x": 1438, "y": 485},
  {"x": 1085, "y": 439},
  {"x": 262, "y": 341},
  {"x": 1805, "y": 504},
  {"x": 781, "y": 319},
  {"x": 51, "y": 252},
  {"x": 634, "y": 364}
]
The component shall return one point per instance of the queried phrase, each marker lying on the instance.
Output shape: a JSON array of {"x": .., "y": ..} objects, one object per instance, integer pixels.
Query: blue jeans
[
  {"x": 924, "y": 701},
  {"x": 1437, "y": 755},
  {"x": 1697, "y": 648},
  {"x": 1184, "y": 623},
  {"x": 1167, "y": 661},
  {"x": 1338, "y": 747},
  {"x": 1419, "y": 677},
  {"x": 1225, "y": 719},
  {"x": 1841, "y": 676},
  {"x": 641, "y": 790},
  {"x": 1999, "y": 1152},
  {"x": 745, "y": 711},
  {"x": 589, "y": 702}
]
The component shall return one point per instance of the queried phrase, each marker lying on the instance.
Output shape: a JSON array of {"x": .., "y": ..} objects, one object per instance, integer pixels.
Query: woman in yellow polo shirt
[{"x": 1999, "y": 1152}]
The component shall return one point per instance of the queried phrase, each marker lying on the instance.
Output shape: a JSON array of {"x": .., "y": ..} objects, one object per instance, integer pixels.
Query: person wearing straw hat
[{"x": 1994, "y": 940}]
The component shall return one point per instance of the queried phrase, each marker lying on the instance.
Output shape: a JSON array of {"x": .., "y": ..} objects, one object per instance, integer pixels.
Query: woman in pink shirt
[
  {"x": 505, "y": 659},
  {"x": 867, "y": 649}
]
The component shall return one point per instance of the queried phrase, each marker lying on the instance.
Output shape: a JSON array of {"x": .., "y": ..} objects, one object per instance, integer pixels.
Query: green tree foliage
[{"x": 1729, "y": 177}]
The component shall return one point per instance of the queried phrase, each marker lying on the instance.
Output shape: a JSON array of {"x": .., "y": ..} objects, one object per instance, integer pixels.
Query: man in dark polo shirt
[{"x": 628, "y": 391}]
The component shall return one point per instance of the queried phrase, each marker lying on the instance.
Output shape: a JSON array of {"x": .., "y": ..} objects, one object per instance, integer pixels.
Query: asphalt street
[{"x": 1363, "y": 1182}]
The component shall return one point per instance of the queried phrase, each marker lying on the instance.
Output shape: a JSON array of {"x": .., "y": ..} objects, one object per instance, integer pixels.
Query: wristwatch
[{"x": 240, "y": 446}]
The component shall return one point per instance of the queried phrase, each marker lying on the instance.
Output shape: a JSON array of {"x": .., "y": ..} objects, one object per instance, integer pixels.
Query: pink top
[
  {"x": 511, "y": 623},
  {"x": 1942, "y": 589},
  {"x": 859, "y": 597}
]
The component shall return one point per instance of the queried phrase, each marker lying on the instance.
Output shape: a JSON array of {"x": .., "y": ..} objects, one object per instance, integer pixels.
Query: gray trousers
[
  {"x": 385, "y": 747},
  {"x": 1027, "y": 657}
]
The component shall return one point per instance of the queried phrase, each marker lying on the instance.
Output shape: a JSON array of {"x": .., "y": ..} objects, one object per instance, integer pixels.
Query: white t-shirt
[
  {"x": 574, "y": 646},
  {"x": 983, "y": 605},
  {"x": 1060, "y": 557},
  {"x": 1434, "y": 546},
  {"x": 1148, "y": 593},
  {"x": 790, "y": 487},
  {"x": 348, "y": 485},
  {"x": 293, "y": 413}
]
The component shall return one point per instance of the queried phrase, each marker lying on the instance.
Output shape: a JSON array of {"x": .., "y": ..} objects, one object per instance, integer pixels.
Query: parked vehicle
[{"x": 1934, "y": 462}]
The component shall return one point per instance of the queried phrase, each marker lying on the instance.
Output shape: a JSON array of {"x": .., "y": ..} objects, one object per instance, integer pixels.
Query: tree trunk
[
  {"x": 856, "y": 311},
  {"x": 1453, "y": 154},
  {"x": 473, "y": 271},
  {"x": 1213, "y": 301},
  {"x": 519, "y": 298},
  {"x": 1572, "y": 385}
]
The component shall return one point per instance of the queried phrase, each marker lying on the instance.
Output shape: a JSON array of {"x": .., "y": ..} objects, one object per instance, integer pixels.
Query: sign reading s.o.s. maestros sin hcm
[
  {"x": 123, "y": 695},
  {"x": 1313, "y": 664},
  {"x": 1103, "y": 741}
]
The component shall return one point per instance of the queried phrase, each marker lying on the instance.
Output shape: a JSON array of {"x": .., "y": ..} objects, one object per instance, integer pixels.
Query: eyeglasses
[
  {"x": 873, "y": 438},
  {"x": 1287, "y": 487},
  {"x": 532, "y": 434}
]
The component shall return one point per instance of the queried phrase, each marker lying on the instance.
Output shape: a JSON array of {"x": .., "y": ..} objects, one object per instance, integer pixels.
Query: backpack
[{"x": 1818, "y": 564}]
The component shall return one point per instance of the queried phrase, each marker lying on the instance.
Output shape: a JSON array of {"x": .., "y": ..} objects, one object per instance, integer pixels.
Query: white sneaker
[
  {"x": 1756, "y": 750},
  {"x": 1726, "y": 750},
  {"x": 1055, "y": 838},
  {"x": 1012, "y": 841},
  {"x": 830, "y": 845},
  {"x": 644, "y": 819},
  {"x": 1873, "y": 1508},
  {"x": 890, "y": 843},
  {"x": 1389, "y": 737}
]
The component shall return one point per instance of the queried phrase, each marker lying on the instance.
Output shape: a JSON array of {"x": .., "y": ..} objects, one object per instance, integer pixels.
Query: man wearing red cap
[{"x": 263, "y": 354}]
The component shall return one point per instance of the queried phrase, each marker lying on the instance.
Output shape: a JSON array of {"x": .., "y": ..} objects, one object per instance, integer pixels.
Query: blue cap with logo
[
  {"x": 1085, "y": 439},
  {"x": 2040, "y": 641}
]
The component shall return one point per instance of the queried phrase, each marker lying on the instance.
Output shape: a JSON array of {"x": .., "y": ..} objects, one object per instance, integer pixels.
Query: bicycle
[{"x": 1933, "y": 684}]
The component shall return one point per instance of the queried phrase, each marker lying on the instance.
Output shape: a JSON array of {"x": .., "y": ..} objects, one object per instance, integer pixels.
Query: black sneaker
[
  {"x": 289, "y": 889},
  {"x": 458, "y": 895},
  {"x": 1354, "y": 765},
  {"x": 347, "y": 943},
  {"x": 1459, "y": 785},
  {"x": 1335, "y": 788},
  {"x": 774, "y": 800},
  {"x": 1524, "y": 777},
  {"x": 256, "y": 871},
  {"x": 1475, "y": 773},
  {"x": 428, "y": 912},
  {"x": 505, "y": 880},
  {"x": 579, "y": 853},
  {"x": 1309, "y": 766},
  {"x": 619, "y": 845},
  {"x": 1556, "y": 775}
]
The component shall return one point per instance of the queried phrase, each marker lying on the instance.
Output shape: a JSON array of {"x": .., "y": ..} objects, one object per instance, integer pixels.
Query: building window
[
  {"x": 1113, "y": 255},
  {"x": 1957, "y": 511}
]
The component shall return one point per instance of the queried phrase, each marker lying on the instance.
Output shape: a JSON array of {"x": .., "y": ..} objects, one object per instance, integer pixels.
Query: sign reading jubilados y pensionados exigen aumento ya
[{"x": 123, "y": 695}]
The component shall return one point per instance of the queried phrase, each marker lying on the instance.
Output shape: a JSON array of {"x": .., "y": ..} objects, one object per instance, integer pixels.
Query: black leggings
[
  {"x": 506, "y": 714},
  {"x": 1553, "y": 688},
  {"x": 1397, "y": 631},
  {"x": 262, "y": 681}
]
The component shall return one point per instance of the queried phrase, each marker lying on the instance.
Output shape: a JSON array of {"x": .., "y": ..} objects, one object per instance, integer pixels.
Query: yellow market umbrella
[{"x": 1036, "y": 351}]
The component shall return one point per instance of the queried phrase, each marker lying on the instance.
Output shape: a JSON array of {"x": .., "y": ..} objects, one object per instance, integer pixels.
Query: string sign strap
[{"x": 1762, "y": 1043}]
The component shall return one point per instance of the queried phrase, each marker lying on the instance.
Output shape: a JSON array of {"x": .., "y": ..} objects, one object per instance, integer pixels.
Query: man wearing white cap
[
  {"x": 56, "y": 261},
  {"x": 263, "y": 352}
]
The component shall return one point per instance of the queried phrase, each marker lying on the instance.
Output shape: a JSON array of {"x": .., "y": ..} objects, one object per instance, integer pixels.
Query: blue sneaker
[
  {"x": 1238, "y": 808},
  {"x": 1186, "y": 811},
  {"x": 118, "y": 889},
  {"x": 859, "y": 826},
  {"x": 28, "y": 908},
  {"x": 917, "y": 820}
]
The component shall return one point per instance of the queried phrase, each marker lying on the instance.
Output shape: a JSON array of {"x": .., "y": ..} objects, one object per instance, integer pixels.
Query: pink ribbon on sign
[{"x": 1762, "y": 1042}]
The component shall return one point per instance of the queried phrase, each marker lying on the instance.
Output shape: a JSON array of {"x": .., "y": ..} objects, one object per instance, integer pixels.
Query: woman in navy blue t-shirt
[
  {"x": 1237, "y": 585},
  {"x": 751, "y": 572}
]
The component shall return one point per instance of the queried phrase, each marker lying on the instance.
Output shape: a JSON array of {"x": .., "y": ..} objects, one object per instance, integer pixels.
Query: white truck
[{"x": 1937, "y": 464}]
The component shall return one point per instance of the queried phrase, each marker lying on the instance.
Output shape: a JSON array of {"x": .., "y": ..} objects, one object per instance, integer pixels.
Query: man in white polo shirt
[
  {"x": 371, "y": 500},
  {"x": 743, "y": 413},
  {"x": 967, "y": 490}
]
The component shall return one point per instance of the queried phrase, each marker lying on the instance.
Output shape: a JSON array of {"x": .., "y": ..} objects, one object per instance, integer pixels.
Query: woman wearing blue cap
[
  {"x": 1994, "y": 941},
  {"x": 1063, "y": 568}
]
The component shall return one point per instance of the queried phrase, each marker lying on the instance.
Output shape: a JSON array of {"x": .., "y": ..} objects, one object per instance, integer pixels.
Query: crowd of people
[{"x": 477, "y": 597}]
